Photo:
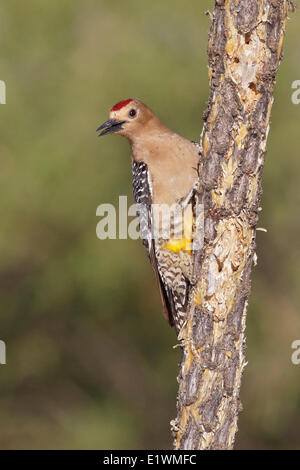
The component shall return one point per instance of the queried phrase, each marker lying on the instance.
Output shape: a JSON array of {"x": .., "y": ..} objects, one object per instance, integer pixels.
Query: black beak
[{"x": 110, "y": 126}]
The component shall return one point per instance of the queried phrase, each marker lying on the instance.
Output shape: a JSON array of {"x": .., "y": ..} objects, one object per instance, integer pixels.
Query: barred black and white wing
[{"x": 142, "y": 193}]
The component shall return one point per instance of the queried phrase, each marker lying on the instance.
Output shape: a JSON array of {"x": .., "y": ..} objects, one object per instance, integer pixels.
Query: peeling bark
[{"x": 245, "y": 48}]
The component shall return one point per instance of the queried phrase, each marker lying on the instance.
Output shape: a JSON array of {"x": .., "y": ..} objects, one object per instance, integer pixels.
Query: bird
[{"x": 165, "y": 169}]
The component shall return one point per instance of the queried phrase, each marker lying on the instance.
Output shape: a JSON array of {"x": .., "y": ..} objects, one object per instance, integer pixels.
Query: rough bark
[{"x": 245, "y": 48}]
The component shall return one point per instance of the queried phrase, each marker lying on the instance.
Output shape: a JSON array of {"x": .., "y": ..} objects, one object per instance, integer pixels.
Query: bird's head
[{"x": 128, "y": 118}]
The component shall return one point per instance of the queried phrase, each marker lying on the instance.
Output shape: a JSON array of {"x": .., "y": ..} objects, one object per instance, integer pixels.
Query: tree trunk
[{"x": 245, "y": 48}]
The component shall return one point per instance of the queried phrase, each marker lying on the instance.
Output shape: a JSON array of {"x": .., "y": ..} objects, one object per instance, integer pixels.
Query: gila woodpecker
[{"x": 164, "y": 171}]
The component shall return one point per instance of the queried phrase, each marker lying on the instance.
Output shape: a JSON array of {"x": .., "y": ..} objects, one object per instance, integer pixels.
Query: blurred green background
[{"x": 90, "y": 362}]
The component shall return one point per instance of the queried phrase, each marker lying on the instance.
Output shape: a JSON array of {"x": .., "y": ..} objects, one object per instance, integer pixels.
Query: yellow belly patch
[{"x": 176, "y": 245}]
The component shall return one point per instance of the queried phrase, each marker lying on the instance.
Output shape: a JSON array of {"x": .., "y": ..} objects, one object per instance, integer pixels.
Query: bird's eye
[{"x": 132, "y": 113}]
